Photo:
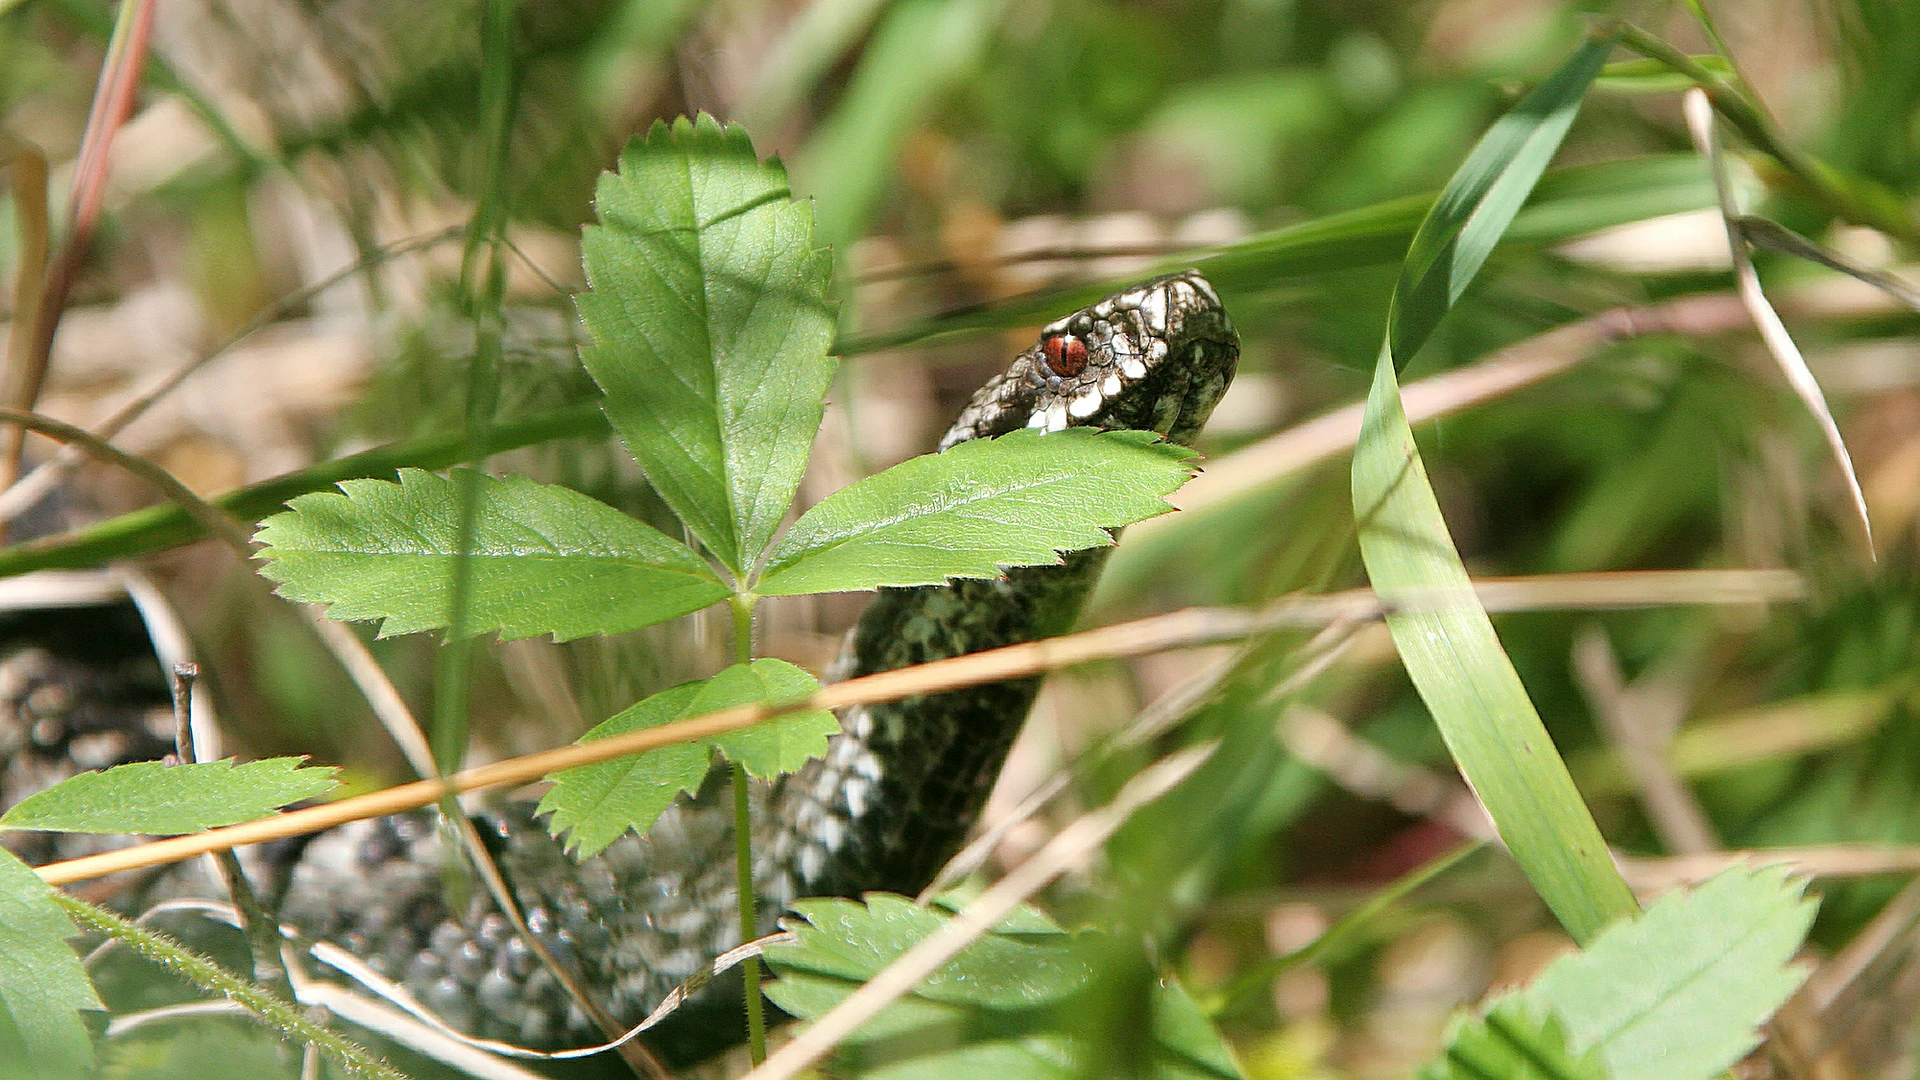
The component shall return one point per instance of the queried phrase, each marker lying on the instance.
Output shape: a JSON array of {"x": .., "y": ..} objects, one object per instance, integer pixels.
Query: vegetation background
[{"x": 304, "y": 172}]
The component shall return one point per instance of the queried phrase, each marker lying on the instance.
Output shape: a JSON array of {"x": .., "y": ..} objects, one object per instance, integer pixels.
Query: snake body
[{"x": 889, "y": 803}]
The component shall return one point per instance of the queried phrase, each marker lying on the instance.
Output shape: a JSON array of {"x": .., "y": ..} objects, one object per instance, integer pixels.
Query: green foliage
[
  {"x": 1000, "y": 1004},
  {"x": 593, "y": 805},
  {"x": 42, "y": 985},
  {"x": 544, "y": 559},
  {"x": 1444, "y": 636},
  {"x": 1680, "y": 992},
  {"x": 1513, "y": 1041},
  {"x": 984, "y": 505},
  {"x": 711, "y": 322},
  {"x": 284, "y": 1017},
  {"x": 167, "y": 800}
]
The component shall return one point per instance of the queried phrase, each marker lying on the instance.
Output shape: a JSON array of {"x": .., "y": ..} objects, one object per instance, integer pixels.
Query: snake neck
[{"x": 903, "y": 784}]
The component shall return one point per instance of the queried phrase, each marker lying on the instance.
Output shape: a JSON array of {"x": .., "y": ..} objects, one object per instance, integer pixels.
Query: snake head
[{"x": 1154, "y": 357}]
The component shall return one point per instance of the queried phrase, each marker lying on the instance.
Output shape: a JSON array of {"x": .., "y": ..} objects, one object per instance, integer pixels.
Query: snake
[{"x": 891, "y": 800}]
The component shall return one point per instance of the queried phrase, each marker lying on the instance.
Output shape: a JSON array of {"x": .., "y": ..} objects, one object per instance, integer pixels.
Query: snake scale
[{"x": 890, "y": 802}]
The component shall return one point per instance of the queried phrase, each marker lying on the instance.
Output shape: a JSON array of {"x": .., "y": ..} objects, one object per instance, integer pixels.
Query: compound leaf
[
  {"x": 544, "y": 559},
  {"x": 710, "y": 325},
  {"x": 982, "y": 506},
  {"x": 167, "y": 800}
]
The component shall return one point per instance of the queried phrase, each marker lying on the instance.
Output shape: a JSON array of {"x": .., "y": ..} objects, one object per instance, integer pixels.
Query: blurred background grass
[{"x": 961, "y": 152}]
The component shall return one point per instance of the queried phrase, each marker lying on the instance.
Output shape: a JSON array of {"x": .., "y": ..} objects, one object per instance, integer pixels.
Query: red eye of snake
[{"x": 1066, "y": 355}]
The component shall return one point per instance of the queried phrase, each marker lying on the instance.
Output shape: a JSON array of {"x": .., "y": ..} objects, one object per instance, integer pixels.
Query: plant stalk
[{"x": 742, "y": 604}]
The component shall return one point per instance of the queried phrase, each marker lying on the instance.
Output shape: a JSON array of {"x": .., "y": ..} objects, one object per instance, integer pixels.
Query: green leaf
[
  {"x": 167, "y": 800},
  {"x": 986, "y": 504},
  {"x": 42, "y": 985},
  {"x": 544, "y": 559},
  {"x": 710, "y": 325},
  {"x": 1679, "y": 993},
  {"x": 594, "y": 805},
  {"x": 1003, "y": 1002},
  {"x": 1444, "y": 637},
  {"x": 777, "y": 746},
  {"x": 1513, "y": 1041}
]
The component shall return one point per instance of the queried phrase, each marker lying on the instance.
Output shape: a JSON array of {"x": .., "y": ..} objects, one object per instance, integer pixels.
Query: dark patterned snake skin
[{"x": 892, "y": 800}]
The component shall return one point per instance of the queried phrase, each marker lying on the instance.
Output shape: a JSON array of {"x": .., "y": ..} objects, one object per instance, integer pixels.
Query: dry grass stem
[{"x": 1179, "y": 629}]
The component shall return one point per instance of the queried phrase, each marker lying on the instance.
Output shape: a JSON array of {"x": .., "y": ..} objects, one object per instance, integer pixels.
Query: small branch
[
  {"x": 275, "y": 1012},
  {"x": 259, "y": 926},
  {"x": 1640, "y": 725},
  {"x": 1179, "y": 629}
]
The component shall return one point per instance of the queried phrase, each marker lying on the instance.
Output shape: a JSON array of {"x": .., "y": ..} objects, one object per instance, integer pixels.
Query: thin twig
[
  {"x": 257, "y": 924},
  {"x": 1657, "y": 875},
  {"x": 1179, "y": 629},
  {"x": 1640, "y": 722}
]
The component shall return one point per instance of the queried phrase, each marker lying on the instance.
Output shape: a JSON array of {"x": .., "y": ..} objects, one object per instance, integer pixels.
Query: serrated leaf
[
  {"x": 42, "y": 985},
  {"x": 986, "y": 504},
  {"x": 1513, "y": 1041},
  {"x": 594, "y": 805},
  {"x": 168, "y": 800},
  {"x": 1679, "y": 993},
  {"x": 769, "y": 749},
  {"x": 1444, "y": 637},
  {"x": 710, "y": 325},
  {"x": 544, "y": 559},
  {"x": 997, "y": 1004}
]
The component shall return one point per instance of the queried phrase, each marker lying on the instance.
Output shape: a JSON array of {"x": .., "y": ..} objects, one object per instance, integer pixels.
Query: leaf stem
[
  {"x": 284, "y": 1017},
  {"x": 742, "y": 604},
  {"x": 1850, "y": 197}
]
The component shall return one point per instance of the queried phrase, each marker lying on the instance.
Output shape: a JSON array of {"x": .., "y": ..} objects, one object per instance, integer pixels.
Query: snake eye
[{"x": 1071, "y": 357}]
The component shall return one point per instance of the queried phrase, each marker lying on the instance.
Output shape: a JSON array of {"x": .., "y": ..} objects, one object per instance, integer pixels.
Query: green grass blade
[
  {"x": 918, "y": 52},
  {"x": 1444, "y": 636},
  {"x": 1566, "y": 203}
]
